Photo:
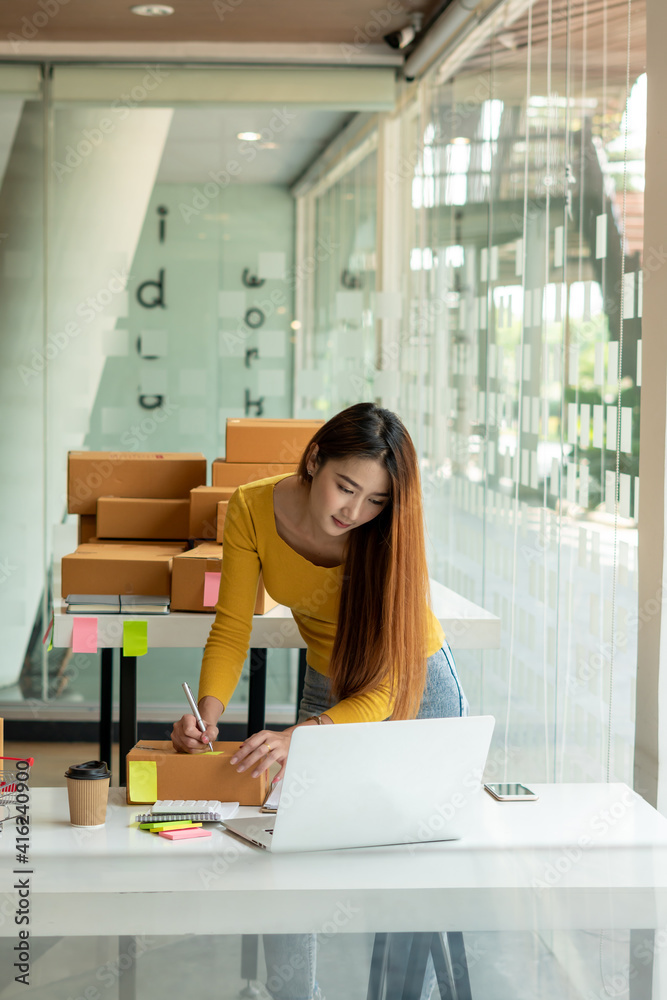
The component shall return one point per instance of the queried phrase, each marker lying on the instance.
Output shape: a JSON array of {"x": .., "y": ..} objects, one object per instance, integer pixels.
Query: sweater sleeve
[
  {"x": 229, "y": 638},
  {"x": 373, "y": 706}
]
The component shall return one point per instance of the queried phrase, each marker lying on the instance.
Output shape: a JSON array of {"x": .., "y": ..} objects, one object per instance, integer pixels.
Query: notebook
[
  {"x": 197, "y": 810},
  {"x": 115, "y": 604},
  {"x": 88, "y": 604}
]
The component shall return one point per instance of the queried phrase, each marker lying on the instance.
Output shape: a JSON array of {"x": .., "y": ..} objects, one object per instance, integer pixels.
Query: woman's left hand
[{"x": 261, "y": 750}]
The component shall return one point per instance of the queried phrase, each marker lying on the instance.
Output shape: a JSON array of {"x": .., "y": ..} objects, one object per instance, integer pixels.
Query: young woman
[{"x": 341, "y": 543}]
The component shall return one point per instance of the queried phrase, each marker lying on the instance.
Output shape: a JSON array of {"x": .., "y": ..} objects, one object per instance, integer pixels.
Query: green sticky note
[
  {"x": 142, "y": 780},
  {"x": 135, "y": 638}
]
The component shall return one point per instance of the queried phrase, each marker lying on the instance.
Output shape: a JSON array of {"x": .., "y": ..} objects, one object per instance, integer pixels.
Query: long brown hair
[{"x": 381, "y": 637}]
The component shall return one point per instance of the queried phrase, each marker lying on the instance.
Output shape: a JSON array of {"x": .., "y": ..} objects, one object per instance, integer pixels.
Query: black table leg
[
  {"x": 443, "y": 971},
  {"x": 106, "y": 704},
  {"x": 378, "y": 973},
  {"x": 415, "y": 971},
  {"x": 249, "y": 954},
  {"x": 457, "y": 953},
  {"x": 127, "y": 967},
  {"x": 127, "y": 730},
  {"x": 303, "y": 666},
  {"x": 257, "y": 691},
  {"x": 640, "y": 975}
]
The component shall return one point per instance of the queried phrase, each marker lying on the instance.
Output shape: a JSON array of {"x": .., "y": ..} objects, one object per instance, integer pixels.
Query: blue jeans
[{"x": 291, "y": 958}]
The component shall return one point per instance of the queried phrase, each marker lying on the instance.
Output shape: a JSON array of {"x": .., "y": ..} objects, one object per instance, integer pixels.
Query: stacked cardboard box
[
  {"x": 151, "y": 475},
  {"x": 134, "y": 510},
  {"x": 204, "y": 502},
  {"x": 137, "y": 512},
  {"x": 189, "y": 581},
  {"x": 264, "y": 440},
  {"x": 258, "y": 448},
  {"x": 122, "y": 568},
  {"x": 130, "y": 517}
]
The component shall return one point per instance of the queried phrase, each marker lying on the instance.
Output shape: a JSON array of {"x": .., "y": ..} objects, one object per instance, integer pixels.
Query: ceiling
[
  {"x": 202, "y": 141},
  {"x": 338, "y": 22},
  {"x": 589, "y": 36}
]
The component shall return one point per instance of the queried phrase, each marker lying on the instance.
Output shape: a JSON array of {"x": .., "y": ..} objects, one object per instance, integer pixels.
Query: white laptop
[{"x": 374, "y": 783}]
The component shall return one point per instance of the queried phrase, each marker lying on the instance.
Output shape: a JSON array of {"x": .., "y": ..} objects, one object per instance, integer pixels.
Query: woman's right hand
[{"x": 187, "y": 737}]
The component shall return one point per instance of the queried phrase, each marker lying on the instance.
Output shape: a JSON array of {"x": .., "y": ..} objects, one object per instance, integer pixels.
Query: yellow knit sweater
[{"x": 252, "y": 543}]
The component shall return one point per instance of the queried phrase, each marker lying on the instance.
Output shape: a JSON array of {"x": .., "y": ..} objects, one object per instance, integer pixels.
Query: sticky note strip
[
  {"x": 135, "y": 638},
  {"x": 142, "y": 780},
  {"x": 211, "y": 589},
  {"x": 184, "y": 834},
  {"x": 182, "y": 824},
  {"x": 84, "y": 635}
]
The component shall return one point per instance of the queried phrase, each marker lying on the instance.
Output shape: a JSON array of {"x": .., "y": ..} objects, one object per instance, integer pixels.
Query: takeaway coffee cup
[{"x": 88, "y": 790}]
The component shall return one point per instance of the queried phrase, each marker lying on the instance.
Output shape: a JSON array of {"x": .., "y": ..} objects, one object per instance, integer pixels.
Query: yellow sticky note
[
  {"x": 142, "y": 780},
  {"x": 135, "y": 638}
]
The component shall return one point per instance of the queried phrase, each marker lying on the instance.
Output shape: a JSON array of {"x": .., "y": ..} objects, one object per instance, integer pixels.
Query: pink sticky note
[
  {"x": 184, "y": 834},
  {"x": 84, "y": 635},
  {"x": 211, "y": 588}
]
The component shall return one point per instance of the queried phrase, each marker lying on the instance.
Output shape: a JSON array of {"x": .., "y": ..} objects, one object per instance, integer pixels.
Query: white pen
[{"x": 195, "y": 711}]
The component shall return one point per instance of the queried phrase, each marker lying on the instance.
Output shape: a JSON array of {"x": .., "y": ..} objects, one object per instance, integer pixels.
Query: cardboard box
[
  {"x": 204, "y": 510},
  {"x": 94, "y": 474},
  {"x": 123, "y": 517},
  {"x": 237, "y": 474},
  {"x": 163, "y": 773},
  {"x": 222, "y": 514},
  {"x": 87, "y": 528},
  {"x": 261, "y": 439},
  {"x": 187, "y": 580},
  {"x": 120, "y": 568}
]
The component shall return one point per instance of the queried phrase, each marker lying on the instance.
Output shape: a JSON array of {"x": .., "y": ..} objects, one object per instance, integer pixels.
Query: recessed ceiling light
[
  {"x": 268, "y": 145},
  {"x": 152, "y": 9},
  {"x": 249, "y": 136},
  {"x": 461, "y": 140}
]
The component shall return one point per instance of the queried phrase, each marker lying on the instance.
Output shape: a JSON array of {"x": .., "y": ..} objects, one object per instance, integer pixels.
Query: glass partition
[
  {"x": 337, "y": 361},
  {"x": 527, "y": 201}
]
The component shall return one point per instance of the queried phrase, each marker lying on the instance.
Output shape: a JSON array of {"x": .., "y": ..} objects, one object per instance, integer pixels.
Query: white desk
[
  {"x": 523, "y": 868},
  {"x": 121, "y": 880},
  {"x": 466, "y": 625}
]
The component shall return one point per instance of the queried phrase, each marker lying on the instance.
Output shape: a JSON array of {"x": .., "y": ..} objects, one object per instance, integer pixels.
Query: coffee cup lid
[{"x": 92, "y": 769}]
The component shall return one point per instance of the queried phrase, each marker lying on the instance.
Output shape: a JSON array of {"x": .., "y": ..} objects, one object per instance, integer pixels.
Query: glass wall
[
  {"x": 508, "y": 336},
  {"x": 149, "y": 302},
  {"x": 337, "y": 357}
]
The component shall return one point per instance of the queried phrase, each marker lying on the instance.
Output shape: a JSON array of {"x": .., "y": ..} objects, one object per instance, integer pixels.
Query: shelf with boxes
[{"x": 151, "y": 528}]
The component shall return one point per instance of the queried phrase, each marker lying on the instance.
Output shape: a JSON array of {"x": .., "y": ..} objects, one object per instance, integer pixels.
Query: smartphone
[{"x": 511, "y": 791}]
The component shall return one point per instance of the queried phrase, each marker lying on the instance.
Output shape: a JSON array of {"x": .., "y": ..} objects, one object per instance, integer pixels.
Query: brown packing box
[
  {"x": 129, "y": 517},
  {"x": 261, "y": 439},
  {"x": 94, "y": 474},
  {"x": 190, "y": 775},
  {"x": 87, "y": 528},
  {"x": 187, "y": 580},
  {"x": 222, "y": 514},
  {"x": 239, "y": 473},
  {"x": 120, "y": 568},
  {"x": 204, "y": 510}
]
